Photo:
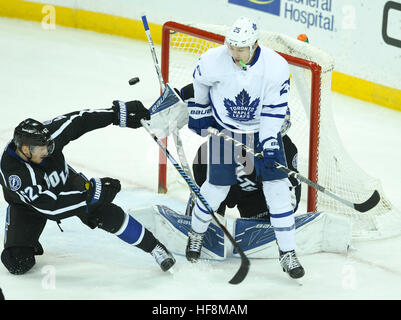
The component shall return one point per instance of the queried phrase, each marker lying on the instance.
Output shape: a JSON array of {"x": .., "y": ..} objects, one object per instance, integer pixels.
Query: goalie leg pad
[
  {"x": 172, "y": 229},
  {"x": 315, "y": 232}
]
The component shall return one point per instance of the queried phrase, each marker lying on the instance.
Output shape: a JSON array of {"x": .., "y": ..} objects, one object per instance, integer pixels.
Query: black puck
[{"x": 133, "y": 81}]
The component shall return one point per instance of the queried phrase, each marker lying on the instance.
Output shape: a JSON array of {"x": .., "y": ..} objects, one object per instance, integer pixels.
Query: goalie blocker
[{"x": 315, "y": 232}]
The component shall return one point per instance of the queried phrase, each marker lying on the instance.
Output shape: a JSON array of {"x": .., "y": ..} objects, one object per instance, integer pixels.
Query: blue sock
[{"x": 131, "y": 231}]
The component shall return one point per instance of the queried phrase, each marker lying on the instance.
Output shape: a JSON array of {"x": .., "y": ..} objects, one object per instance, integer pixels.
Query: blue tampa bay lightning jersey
[{"x": 251, "y": 99}]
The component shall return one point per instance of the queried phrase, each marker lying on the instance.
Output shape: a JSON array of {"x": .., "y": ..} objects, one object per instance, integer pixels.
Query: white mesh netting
[{"x": 337, "y": 172}]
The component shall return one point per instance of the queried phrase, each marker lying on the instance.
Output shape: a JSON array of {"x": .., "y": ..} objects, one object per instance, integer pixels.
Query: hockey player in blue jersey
[{"x": 242, "y": 88}]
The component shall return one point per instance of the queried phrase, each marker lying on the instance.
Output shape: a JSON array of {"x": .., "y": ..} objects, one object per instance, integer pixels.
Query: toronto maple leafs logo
[{"x": 242, "y": 109}]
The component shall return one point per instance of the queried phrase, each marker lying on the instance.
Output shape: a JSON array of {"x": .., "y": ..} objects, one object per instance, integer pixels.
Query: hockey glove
[
  {"x": 129, "y": 114},
  {"x": 186, "y": 92},
  {"x": 168, "y": 114},
  {"x": 270, "y": 153},
  {"x": 101, "y": 191},
  {"x": 200, "y": 118}
]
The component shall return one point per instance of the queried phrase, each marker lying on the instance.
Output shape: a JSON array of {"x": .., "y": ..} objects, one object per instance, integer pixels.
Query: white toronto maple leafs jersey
[{"x": 244, "y": 101}]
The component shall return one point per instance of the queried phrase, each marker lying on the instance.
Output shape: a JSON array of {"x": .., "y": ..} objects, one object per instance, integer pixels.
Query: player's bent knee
[
  {"x": 108, "y": 217},
  {"x": 18, "y": 260}
]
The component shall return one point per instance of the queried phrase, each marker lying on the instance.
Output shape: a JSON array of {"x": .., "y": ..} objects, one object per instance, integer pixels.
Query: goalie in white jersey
[{"x": 242, "y": 88}]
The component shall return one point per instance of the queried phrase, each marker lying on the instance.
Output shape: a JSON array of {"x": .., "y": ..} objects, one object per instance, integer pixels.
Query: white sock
[
  {"x": 278, "y": 199},
  {"x": 214, "y": 195}
]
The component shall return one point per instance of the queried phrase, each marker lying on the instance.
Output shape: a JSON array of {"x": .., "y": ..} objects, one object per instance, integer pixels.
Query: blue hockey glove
[
  {"x": 200, "y": 118},
  {"x": 270, "y": 153}
]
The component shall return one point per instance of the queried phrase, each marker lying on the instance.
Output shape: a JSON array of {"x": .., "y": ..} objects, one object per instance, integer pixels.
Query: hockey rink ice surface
[{"x": 45, "y": 73}]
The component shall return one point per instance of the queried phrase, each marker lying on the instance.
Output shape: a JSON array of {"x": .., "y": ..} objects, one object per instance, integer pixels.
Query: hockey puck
[{"x": 133, "y": 81}]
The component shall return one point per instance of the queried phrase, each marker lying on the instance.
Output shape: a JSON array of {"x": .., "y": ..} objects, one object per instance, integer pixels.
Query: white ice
[{"x": 45, "y": 73}]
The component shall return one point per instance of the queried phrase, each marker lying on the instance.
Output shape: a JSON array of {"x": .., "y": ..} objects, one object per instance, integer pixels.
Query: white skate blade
[
  {"x": 298, "y": 281},
  {"x": 171, "y": 270}
]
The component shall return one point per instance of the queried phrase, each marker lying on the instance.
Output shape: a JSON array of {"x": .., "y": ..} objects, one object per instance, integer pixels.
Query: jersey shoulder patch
[{"x": 15, "y": 182}]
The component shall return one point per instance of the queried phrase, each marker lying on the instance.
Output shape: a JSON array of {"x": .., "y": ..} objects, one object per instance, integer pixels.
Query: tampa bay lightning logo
[
  {"x": 242, "y": 109},
  {"x": 15, "y": 182}
]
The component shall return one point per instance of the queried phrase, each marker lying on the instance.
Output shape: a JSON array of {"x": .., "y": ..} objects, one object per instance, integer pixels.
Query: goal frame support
[{"x": 315, "y": 70}]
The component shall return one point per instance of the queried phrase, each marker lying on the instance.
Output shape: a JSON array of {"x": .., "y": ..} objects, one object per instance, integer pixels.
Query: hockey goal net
[{"x": 321, "y": 155}]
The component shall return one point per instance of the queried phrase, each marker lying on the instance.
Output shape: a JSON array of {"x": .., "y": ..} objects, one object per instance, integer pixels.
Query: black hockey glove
[
  {"x": 129, "y": 114},
  {"x": 101, "y": 191},
  {"x": 186, "y": 92}
]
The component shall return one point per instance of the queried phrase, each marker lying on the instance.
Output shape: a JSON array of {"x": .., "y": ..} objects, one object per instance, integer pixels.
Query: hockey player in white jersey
[{"x": 242, "y": 88}]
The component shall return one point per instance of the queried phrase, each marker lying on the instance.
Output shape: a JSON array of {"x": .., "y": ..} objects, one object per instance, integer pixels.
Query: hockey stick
[
  {"x": 361, "y": 207},
  {"x": 244, "y": 268},
  {"x": 152, "y": 50},
  {"x": 176, "y": 135}
]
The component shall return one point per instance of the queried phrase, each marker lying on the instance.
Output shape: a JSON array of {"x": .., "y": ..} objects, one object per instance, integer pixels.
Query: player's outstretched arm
[{"x": 71, "y": 126}]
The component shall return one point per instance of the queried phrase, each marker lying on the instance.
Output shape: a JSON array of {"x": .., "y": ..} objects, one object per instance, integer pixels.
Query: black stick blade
[
  {"x": 242, "y": 271},
  {"x": 368, "y": 204}
]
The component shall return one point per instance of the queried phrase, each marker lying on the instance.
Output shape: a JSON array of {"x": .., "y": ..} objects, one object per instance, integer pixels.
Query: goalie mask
[
  {"x": 33, "y": 133},
  {"x": 243, "y": 33}
]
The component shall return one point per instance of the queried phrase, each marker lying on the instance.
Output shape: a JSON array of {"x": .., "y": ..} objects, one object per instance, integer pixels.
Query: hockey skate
[
  {"x": 194, "y": 246},
  {"x": 290, "y": 264},
  {"x": 163, "y": 257}
]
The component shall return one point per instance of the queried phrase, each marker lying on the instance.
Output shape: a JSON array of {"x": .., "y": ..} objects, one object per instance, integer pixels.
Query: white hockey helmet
[
  {"x": 286, "y": 124},
  {"x": 243, "y": 33}
]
